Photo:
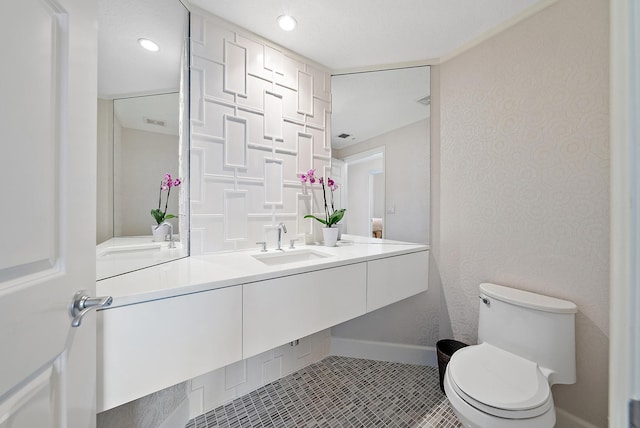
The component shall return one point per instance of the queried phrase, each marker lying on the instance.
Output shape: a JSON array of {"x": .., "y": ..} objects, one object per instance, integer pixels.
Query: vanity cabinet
[
  {"x": 281, "y": 310},
  {"x": 150, "y": 345},
  {"x": 143, "y": 348},
  {"x": 395, "y": 278}
]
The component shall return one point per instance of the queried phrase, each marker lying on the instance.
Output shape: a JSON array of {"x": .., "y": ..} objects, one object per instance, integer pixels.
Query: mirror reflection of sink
[
  {"x": 128, "y": 249},
  {"x": 293, "y": 256}
]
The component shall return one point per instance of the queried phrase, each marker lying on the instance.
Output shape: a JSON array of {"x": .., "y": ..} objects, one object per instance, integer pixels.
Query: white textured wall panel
[
  {"x": 235, "y": 71},
  {"x": 259, "y": 117},
  {"x": 235, "y": 142},
  {"x": 273, "y": 187},
  {"x": 272, "y": 115},
  {"x": 305, "y": 93},
  {"x": 235, "y": 215},
  {"x": 305, "y": 153}
]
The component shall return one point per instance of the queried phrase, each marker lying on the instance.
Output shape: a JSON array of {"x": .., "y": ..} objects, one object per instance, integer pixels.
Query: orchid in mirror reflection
[
  {"x": 331, "y": 215},
  {"x": 165, "y": 185}
]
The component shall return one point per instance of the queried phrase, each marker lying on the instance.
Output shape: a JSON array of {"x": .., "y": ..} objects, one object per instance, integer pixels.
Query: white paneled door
[
  {"x": 47, "y": 212},
  {"x": 624, "y": 348}
]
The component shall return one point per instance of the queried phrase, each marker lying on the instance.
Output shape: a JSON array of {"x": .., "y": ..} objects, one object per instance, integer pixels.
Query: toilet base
[{"x": 470, "y": 417}]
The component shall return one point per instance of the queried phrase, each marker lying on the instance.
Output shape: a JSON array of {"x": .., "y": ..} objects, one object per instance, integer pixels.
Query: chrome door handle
[{"x": 83, "y": 303}]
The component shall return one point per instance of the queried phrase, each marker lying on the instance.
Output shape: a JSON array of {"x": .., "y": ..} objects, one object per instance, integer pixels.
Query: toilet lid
[{"x": 499, "y": 382}]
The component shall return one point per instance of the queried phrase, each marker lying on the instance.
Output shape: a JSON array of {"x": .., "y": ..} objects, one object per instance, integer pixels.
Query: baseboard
[
  {"x": 565, "y": 419},
  {"x": 384, "y": 351},
  {"x": 179, "y": 417}
]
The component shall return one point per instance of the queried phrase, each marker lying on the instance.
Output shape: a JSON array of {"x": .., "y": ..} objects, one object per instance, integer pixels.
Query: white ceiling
[
  {"x": 352, "y": 34},
  {"x": 366, "y": 105},
  {"x": 124, "y": 67},
  {"x": 341, "y": 35},
  {"x": 348, "y": 35}
]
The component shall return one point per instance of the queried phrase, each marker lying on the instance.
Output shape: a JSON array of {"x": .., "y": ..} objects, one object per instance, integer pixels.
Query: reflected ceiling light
[
  {"x": 286, "y": 22},
  {"x": 149, "y": 45}
]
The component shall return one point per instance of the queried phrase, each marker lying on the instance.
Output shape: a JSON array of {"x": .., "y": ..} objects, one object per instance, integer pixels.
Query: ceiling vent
[
  {"x": 343, "y": 136},
  {"x": 426, "y": 100},
  {"x": 155, "y": 122}
]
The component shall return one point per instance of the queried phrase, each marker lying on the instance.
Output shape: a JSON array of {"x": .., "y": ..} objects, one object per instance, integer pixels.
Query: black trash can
[{"x": 445, "y": 349}]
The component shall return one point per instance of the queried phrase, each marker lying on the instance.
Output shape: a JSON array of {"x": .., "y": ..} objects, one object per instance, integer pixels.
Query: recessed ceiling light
[
  {"x": 149, "y": 45},
  {"x": 286, "y": 22}
]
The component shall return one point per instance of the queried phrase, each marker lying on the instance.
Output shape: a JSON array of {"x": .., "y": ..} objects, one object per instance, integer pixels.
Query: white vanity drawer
[
  {"x": 396, "y": 278},
  {"x": 280, "y": 310},
  {"x": 149, "y": 346}
]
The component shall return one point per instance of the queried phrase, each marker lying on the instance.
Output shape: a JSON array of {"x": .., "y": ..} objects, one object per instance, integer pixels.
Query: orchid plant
[
  {"x": 165, "y": 185},
  {"x": 331, "y": 215}
]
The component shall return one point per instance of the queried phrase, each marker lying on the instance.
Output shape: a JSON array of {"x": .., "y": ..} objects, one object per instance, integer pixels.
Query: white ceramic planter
[
  {"x": 330, "y": 235},
  {"x": 159, "y": 232}
]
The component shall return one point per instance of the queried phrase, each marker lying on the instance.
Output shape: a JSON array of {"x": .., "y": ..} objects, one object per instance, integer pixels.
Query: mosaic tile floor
[{"x": 341, "y": 392}]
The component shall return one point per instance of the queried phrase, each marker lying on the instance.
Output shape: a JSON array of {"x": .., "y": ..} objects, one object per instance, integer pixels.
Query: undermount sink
[{"x": 292, "y": 256}]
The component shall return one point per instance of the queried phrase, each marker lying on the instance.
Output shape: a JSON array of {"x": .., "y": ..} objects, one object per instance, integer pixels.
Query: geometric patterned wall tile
[
  {"x": 213, "y": 125},
  {"x": 255, "y": 127},
  {"x": 255, "y": 57},
  {"x": 255, "y": 93},
  {"x": 290, "y": 170},
  {"x": 290, "y": 105},
  {"x": 255, "y": 201},
  {"x": 205, "y": 39},
  {"x": 235, "y": 142},
  {"x": 291, "y": 131},
  {"x": 319, "y": 107},
  {"x": 235, "y": 215},
  {"x": 291, "y": 198},
  {"x": 252, "y": 134},
  {"x": 213, "y": 153},
  {"x": 327, "y": 130},
  {"x": 321, "y": 83},
  {"x": 212, "y": 199},
  {"x": 303, "y": 225},
  {"x": 290, "y": 67},
  {"x": 255, "y": 166},
  {"x": 272, "y": 115},
  {"x": 305, "y": 153},
  {"x": 272, "y": 59},
  {"x": 213, "y": 77},
  {"x": 235, "y": 68},
  {"x": 305, "y": 93},
  {"x": 318, "y": 141},
  {"x": 273, "y": 182},
  {"x": 196, "y": 104},
  {"x": 196, "y": 171},
  {"x": 235, "y": 374}
]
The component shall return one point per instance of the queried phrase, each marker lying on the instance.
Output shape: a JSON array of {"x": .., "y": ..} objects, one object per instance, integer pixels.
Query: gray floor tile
[{"x": 340, "y": 392}]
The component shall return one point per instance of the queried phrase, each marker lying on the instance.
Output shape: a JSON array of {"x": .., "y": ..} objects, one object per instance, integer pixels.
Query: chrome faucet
[
  {"x": 281, "y": 227},
  {"x": 171, "y": 243}
]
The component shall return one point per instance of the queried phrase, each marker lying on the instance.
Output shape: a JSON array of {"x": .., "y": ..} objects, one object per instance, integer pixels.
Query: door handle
[{"x": 83, "y": 303}]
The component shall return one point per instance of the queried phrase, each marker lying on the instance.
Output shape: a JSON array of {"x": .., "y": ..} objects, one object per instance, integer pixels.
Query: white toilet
[{"x": 526, "y": 343}]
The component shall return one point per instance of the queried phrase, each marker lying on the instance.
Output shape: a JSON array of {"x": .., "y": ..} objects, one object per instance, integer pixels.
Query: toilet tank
[{"x": 536, "y": 327}]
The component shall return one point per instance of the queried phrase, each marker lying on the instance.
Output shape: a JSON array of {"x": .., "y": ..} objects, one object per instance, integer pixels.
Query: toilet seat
[{"x": 499, "y": 383}]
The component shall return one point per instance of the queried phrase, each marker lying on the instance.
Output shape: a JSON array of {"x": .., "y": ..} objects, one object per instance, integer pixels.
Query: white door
[
  {"x": 47, "y": 211},
  {"x": 624, "y": 354}
]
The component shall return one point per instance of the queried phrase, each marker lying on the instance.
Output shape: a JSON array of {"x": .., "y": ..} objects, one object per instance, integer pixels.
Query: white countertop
[
  {"x": 130, "y": 253},
  {"x": 207, "y": 272}
]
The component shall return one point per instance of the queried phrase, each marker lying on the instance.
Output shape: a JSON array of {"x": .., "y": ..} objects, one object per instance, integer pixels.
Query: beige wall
[
  {"x": 412, "y": 321},
  {"x": 104, "y": 191},
  {"x": 406, "y": 176},
  {"x": 358, "y": 221},
  {"x": 523, "y": 180}
]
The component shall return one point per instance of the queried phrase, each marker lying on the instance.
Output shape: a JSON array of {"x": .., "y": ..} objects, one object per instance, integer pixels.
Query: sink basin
[
  {"x": 292, "y": 256},
  {"x": 117, "y": 250}
]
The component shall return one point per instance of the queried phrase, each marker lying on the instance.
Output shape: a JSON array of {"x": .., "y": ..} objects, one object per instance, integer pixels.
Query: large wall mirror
[
  {"x": 380, "y": 139},
  {"x": 142, "y": 135}
]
